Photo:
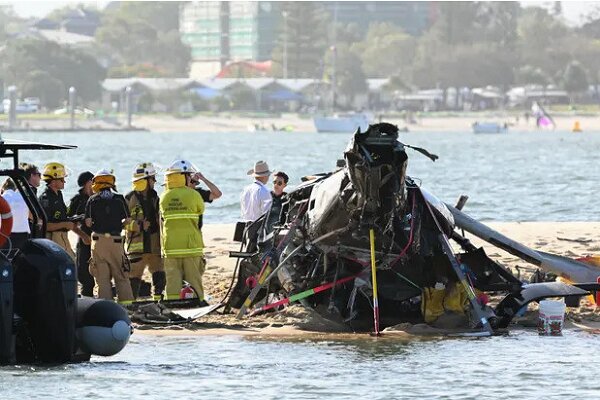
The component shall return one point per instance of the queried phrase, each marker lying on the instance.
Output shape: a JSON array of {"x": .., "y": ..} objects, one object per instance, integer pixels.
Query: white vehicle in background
[
  {"x": 33, "y": 103},
  {"x": 29, "y": 105}
]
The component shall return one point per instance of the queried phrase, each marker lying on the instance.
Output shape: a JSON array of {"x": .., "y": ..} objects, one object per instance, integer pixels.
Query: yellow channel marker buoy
[{"x": 577, "y": 127}]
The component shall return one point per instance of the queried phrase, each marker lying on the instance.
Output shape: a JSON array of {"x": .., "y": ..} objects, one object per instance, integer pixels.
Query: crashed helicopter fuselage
[{"x": 334, "y": 225}]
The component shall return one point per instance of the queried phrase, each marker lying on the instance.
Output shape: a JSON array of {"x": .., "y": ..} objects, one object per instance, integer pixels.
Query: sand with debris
[{"x": 571, "y": 239}]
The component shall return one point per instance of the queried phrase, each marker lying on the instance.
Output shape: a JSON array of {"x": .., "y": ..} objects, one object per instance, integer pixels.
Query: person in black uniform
[
  {"x": 106, "y": 213},
  {"x": 34, "y": 178},
  {"x": 207, "y": 195},
  {"x": 83, "y": 252},
  {"x": 55, "y": 208}
]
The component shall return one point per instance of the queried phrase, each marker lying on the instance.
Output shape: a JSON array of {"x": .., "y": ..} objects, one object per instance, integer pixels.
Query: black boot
[
  {"x": 135, "y": 286},
  {"x": 159, "y": 281}
]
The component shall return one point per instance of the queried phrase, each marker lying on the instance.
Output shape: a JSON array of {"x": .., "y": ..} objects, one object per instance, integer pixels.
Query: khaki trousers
[
  {"x": 109, "y": 262},
  {"x": 62, "y": 239},
  {"x": 189, "y": 268},
  {"x": 153, "y": 261}
]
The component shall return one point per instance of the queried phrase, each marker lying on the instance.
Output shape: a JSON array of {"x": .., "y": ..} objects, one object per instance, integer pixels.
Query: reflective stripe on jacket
[
  {"x": 180, "y": 209},
  {"x": 134, "y": 235}
]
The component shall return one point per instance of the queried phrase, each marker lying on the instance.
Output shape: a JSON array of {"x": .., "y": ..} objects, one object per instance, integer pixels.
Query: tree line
[
  {"x": 133, "y": 39},
  {"x": 470, "y": 44}
]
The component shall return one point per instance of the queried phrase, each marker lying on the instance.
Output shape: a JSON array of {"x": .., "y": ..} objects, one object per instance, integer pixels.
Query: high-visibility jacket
[
  {"x": 180, "y": 209},
  {"x": 134, "y": 234}
]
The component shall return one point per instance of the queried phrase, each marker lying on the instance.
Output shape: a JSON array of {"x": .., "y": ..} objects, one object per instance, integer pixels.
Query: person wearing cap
[
  {"x": 54, "y": 206},
  {"x": 142, "y": 234},
  {"x": 181, "y": 239},
  {"x": 256, "y": 199},
  {"x": 106, "y": 213},
  {"x": 76, "y": 210}
]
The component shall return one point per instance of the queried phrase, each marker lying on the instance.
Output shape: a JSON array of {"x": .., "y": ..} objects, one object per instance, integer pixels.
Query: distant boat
[
  {"x": 347, "y": 123},
  {"x": 543, "y": 120},
  {"x": 489, "y": 127}
]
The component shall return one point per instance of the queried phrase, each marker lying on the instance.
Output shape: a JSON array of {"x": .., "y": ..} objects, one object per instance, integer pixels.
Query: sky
[
  {"x": 572, "y": 10},
  {"x": 41, "y": 8}
]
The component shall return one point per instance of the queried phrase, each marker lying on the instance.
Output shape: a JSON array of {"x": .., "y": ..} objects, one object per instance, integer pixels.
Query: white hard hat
[
  {"x": 143, "y": 170},
  {"x": 181, "y": 167},
  {"x": 104, "y": 172}
]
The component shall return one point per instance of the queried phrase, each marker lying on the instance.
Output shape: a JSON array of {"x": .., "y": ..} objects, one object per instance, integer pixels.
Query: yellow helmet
[
  {"x": 53, "y": 171},
  {"x": 103, "y": 179},
  {"x": 143, "y": 170}
]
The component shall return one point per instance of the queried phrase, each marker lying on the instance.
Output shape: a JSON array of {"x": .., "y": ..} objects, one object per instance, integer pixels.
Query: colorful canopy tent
[{"x": 206, "y": 93}]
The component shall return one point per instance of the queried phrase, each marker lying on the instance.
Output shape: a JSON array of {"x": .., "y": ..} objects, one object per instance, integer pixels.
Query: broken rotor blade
[{"x": 571, "y": 269}]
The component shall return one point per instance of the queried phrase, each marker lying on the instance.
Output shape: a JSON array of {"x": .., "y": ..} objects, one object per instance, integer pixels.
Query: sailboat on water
[{"x": 543, "y": 120}]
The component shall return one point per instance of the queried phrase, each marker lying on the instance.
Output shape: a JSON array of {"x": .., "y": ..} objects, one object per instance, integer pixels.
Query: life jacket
[
  {"x": 180, "y": 209},
  {"x": 134, "y": 234}
]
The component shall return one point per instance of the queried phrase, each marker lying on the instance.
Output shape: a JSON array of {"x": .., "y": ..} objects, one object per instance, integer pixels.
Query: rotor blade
[{"x": 571, "y": 269}]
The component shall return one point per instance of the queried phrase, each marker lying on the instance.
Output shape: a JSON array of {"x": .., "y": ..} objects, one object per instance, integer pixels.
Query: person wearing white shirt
[
  {"x": 20, "y": 212},
  {"x": 256, "y": 199}
]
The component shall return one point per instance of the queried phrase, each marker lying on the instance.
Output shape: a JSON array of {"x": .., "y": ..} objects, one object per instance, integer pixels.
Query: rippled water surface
[
  {"x": 519, "y": 176},
  {"x": 522, "y": 365},
  {"x": 535, "y": 176}
]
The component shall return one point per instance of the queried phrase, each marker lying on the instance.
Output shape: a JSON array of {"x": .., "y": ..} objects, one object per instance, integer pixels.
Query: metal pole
[
  {"x": 12, "y": 110},
  {"x": 72, "y": 97},
  {"x": 374, "y": 282},
  {"x": 334, "y": 62},
  {"x": 285, "y": 44},
  {"x": 128, "y": 105},
  {"x": 333, "y": 78}
]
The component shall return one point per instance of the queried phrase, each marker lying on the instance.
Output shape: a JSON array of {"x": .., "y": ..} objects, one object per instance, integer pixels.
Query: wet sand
[{"x": 571, "y": 239}]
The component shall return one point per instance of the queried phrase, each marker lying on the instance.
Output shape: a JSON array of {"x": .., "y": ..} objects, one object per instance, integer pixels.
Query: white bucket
[{"x": 551, "y": 317}]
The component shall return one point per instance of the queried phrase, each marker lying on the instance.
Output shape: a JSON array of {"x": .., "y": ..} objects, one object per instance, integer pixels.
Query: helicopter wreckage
[{"x": 366, "y": 245}]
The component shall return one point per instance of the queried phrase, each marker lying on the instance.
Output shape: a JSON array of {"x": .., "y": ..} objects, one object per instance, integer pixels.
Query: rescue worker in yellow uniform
[
  {"x": 181, "y": 239},
  {"x": 105, "y": 213},
  {"x": 142, "y": 234},
  {"x": 54, "y": 206}
]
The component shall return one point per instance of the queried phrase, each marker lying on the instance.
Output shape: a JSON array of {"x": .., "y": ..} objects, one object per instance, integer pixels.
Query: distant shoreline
[{"x": 290, "y": 123}]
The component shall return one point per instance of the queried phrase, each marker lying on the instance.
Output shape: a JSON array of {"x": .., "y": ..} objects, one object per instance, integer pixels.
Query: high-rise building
[{"x": 223, "y": 32}]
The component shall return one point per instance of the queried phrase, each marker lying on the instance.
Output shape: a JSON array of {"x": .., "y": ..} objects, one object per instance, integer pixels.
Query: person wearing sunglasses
[
  {"x": 280, "y": 180},
  {"x": 33, "y": 175},
  {"x": 54, "y": 206},
  {"x": 209, "y": 195}
]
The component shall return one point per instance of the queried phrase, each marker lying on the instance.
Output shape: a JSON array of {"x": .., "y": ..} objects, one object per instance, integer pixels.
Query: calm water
[
  {"x": 549, "y": 176},
  {"x": 524, "y": 366},
  {"x": 519, "y": 176}
]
